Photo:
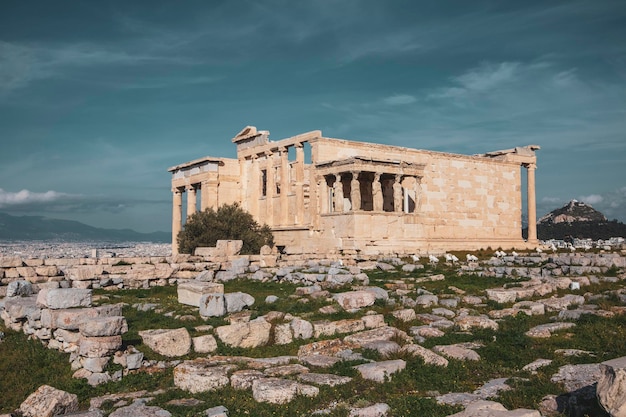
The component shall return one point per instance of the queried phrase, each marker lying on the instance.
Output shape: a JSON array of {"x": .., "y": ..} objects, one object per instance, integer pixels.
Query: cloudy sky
[{"x": 98, "y": 99}]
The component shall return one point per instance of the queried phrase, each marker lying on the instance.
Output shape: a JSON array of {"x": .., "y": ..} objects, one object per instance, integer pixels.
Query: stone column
[
  {"x": 377, "y": 193},
  {"x": 315, "y": 199},
  {"x": 397, "y": 194},
  {"x": 284, "y": 187},
  {"x": 299, "y": 217},
  {"x": 338, "y": 194},
  {"x": 322, "y": 187},
  {"x": 177, "y": 217},
  {"x": 355, "y": 191},
  {"x": 254, "y": 187},
  {"x": 191, "y": 200},
  {"x": 532, "y": 203},
  {"x": 271, "y": 189}
]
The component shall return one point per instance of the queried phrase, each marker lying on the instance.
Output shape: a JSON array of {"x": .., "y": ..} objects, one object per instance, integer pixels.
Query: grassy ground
[{"x": 25, "y": 364}]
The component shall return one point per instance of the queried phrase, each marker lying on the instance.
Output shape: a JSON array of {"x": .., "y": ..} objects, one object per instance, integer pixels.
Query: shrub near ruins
[{"x": 228, "y": 222}]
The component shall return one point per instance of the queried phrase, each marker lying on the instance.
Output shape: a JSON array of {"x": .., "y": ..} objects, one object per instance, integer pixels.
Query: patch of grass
[{"x": 25, "y": 365}]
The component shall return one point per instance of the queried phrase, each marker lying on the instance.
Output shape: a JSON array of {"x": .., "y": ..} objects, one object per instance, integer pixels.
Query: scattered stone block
[
  {"x": 429, "y": 357},
  {"x": 238, "y": 301},
  {"x": 484, "y": 408},
  {"x": 378, "y": 371},
  {"x": 353, "y": 300},
  {"x": 167, "y": 342},
  {"x": 611, "y": 388},
  {"x": 546, "y": 330},
  {"x": 457, "y": 352},
  {"x": 204, "y": 344},
  {"x": 324, "y": 379},
  {"x": 376, "y": 410},
  {"x": 280, "y": 391},
  {"x": 201, "y": 375},
  {"x": 190, "y": 292},
  {"x": 60, "y": 298},
  {"x": 243, "y": 379},
  {"x": 212, "y": 305},
  {"x": 139, "y": 409},
  {"x": 48, "y": 401},
  {"x": 246, "y": 335}
]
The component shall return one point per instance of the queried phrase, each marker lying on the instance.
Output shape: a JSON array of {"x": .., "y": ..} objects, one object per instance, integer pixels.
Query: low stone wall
[{"x": 63, "y": 319}]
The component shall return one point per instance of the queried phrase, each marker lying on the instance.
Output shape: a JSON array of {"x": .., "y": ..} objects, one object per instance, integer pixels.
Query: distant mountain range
[
  {"x": 44, "y": 228},
  {"x": 577, "y": 220}
]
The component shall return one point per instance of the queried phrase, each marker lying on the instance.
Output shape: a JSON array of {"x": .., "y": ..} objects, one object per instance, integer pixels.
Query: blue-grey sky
[{"x": 98, "y": 99}]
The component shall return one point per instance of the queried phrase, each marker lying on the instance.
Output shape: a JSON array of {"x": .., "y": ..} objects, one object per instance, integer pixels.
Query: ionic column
[
  {"x": 377, "y": 193},
  {"x": 355, "y": 191},
  {"x": 532, "y": 203},
  {"x": 191, "y": 200},
  {"x": 299, "y": 217},
  {"x": 284, "y": 187},
  {"x": 338, "y": 194},
  {"x": 177, "y": 217},
  {"x": 397, "y": 194}
]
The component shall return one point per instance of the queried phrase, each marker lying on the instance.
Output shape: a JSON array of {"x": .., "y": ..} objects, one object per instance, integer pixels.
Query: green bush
[{"x": 228, "y": 222}]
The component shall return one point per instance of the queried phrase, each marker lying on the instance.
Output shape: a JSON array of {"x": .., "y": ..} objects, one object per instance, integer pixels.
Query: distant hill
[
  {"x": 44, "y": 228},
  {"x": 577, "y": 220}
]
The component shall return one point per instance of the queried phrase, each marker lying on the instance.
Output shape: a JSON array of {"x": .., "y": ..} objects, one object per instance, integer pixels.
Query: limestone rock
[
  {"x": 469, "y": 322},
  {"x": 611, "y": 389},
  {"x": 575, "y": 377},
  {"x": 378, "y": 371},
  {"x": 58, "y": 298},
  {"x": 96, "y": 347},
  {"x": 429, "y": 357},
  {"x": 280, "y": 391},
  {"x": 283, "y": 334},
  {"x": 167, "y": 342},
  {"x": 139, "y": 409},
  {"x": 320, "y": 361},
  {"x": 246, "y": 335},
  {"x": 376, "y": 410},
  {"x": 190, "y": 292},
  {"x": 200, "y": 375},
  {"x": 204, "y": 344},
  {"x": 352, "y": 300},
  {"x": 380, "y": 333},
  {"x": 103, "y": 326},
  {"x": 483, "y": 408},
  {"x": 457, "y": 351},
  {"x": 70, "y": 319},
  {"x": 238, "y": 301},
  {"x": 546, "y": 330},
  {"x": 301, "y": 329},
  {"x": 324, "y": 379},
  {"x": 19, "y": 288},
  {"x": 407, "y": 314},
  {"x": 212, "y": 305},
  {"x": 48, "y": 401},
  {"x": 243, "y": 379}
]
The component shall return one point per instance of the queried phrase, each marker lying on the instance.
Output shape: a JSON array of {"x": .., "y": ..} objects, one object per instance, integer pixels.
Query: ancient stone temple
[{"x": 323, "y": 195}]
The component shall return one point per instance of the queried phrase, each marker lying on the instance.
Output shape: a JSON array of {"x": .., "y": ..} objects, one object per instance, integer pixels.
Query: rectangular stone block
[
  {"x": 58, "y": 298},
  {"x": 97, "y": 347},
  {"x": 70, "y": 319},
  {"x": 190, "y": 292}
]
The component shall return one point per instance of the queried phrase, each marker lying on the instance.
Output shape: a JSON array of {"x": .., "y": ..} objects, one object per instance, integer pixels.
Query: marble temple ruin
[{"x": 324, "y": 195}]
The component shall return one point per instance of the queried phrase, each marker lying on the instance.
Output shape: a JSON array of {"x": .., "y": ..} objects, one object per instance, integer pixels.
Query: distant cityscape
[{"x": 34, "y": 249}]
